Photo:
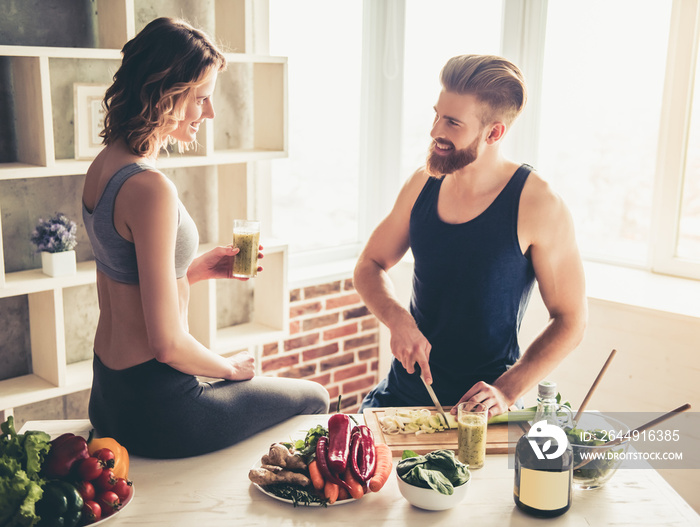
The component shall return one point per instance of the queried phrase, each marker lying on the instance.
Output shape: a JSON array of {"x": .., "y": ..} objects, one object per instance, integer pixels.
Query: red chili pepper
[
  {"x": 368, "y": 453},
  {"x": 363, "y": 454},
  {"x": 338, "y": 442},
  {"x": 66, "y": 450},
  {"x": 355, "y": 454},
  {"x": 322, "y": 462}
]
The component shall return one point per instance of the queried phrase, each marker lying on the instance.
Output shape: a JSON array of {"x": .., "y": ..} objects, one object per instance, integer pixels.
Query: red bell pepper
[{"x": 66, "y": 450}]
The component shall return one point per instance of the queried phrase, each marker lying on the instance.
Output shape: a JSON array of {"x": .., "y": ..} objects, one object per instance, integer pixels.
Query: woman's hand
[
  {"x": 216, "y": 263},
  {"x": 243, "y": 366}
]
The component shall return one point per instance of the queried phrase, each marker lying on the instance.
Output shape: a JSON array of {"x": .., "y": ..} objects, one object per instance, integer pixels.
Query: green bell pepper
[{"x": 60, "y": 506}]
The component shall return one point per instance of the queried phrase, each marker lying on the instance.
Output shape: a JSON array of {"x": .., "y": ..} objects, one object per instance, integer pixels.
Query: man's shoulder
[
  {"x": 413, "y": 185},
  {"x": 538, "y": 192},
  {"x": 419, "y": 177},
  {"x": 542, "y": 209}
]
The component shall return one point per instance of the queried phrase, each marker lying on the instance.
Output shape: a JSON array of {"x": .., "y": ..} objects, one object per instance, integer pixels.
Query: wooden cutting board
[{"x": 497, "y": 441}]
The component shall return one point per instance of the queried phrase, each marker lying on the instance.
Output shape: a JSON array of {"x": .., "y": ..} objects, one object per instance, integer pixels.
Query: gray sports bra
[{"x": 115, "y": 256}]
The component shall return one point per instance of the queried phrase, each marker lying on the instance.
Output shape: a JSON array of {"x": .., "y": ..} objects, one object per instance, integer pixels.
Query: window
[
  {"x": 436, "y": 31},
  {"x": 688, "y": 245},
  {"x": 315, "y": 189},
  {"x": 610, "y": 123},
  {"x": 602, "y": 91}
]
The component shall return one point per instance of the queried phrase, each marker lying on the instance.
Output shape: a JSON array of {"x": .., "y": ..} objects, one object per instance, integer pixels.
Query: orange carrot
[
  {"x": 383, "y": 467},
  {"x": 342, "y": 494},
  {"x": 356, "y": 490},
  {"x": 316, "y": 477},
  {"x": 330, "y": 491}
]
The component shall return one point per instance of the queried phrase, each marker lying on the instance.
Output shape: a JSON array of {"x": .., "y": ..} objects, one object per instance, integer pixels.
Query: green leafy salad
[
  {"x": 439, "y": 470},
  {"x": 593, "y": 469},
  {"x": 21, "y": 456}
]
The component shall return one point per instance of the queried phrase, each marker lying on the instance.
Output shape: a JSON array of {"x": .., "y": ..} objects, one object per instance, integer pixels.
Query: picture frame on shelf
[{"x": 88, "y": 118}]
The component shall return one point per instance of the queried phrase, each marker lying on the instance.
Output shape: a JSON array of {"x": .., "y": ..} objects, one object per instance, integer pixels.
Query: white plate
[
  {"x": 312, "y": 504},
  {"x": 124, "y": 505}
]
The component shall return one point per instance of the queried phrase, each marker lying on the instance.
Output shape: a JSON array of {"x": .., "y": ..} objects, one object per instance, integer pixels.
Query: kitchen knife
[{"x": 435, "y": 399}]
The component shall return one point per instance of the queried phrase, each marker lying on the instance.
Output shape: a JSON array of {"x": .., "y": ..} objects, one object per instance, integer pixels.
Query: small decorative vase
[{"x": 58, "y": 264}]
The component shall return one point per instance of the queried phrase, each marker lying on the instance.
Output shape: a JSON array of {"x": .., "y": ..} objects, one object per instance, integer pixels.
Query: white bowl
[{"x": 430, "y": 499}]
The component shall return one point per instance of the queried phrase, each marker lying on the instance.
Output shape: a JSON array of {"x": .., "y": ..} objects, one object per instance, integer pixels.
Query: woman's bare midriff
[{"x": 121, "y": 339}]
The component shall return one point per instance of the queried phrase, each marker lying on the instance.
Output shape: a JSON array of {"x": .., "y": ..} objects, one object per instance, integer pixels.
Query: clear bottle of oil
[{"x": 544, "y": 461}]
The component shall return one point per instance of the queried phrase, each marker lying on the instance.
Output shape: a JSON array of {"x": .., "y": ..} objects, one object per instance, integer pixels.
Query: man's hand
[
  {"x": 410, "y": 346},
  {"x": 488, "y": 395}
]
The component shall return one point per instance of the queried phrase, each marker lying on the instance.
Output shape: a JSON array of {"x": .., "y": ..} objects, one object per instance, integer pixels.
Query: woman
[{"x": 145, "y": 393}]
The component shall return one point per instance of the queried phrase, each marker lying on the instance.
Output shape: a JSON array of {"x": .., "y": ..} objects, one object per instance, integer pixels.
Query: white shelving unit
[{"x": 259, "y": 81}]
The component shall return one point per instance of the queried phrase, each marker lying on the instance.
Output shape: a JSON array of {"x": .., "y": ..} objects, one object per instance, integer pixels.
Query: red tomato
[
  {"x": 106, "y": 456},
  {"x": 109, "y": 502},
  {"x": 86, "y": 490},
  {"x": 90, "y": 468},
  {"x": 106, "y": 480},
  {"x": 92, "y": 512},
  {"x": 122, "y": 488}
]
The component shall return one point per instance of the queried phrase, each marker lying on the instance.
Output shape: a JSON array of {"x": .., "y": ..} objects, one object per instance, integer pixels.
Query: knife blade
[{"x": 434, "y": 398}]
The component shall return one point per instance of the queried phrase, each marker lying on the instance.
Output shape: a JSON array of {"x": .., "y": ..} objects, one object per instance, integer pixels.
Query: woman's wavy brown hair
[{"x": 160, "y": 67}]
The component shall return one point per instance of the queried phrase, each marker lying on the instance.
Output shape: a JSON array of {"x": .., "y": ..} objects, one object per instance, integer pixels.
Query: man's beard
[{"x": 438, "y": 165}]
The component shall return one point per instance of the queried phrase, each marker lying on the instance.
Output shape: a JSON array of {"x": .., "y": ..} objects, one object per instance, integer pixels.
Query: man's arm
[
  {"x": 385, "y": 247},
  {"x": 559, "y": 273}
]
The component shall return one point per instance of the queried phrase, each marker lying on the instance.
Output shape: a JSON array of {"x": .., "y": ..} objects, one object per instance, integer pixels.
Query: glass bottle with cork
[{"x": 544, "y": 460}]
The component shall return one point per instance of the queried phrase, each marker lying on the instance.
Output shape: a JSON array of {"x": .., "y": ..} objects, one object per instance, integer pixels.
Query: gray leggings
[{"x": 157, "y": 411}]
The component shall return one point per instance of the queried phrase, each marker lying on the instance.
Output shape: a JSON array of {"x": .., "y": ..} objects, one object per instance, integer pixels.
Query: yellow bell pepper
[{"x": 121, "y": 456}]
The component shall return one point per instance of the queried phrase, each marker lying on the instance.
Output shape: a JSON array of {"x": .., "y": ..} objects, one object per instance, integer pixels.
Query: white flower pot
[{"x": 58, "y": 264}]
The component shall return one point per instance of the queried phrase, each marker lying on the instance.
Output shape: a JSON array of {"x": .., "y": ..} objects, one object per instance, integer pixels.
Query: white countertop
[{"x": 214, "y": 489}]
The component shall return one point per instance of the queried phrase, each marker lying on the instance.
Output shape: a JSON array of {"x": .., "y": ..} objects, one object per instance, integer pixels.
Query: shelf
[
  {"x": 60, "y": 167},
  {"x": 251, "y": 125},
  {"x": 61, "y": 53},
  {"x": 70, "y": 167},
  {"x": 223, "y": 157},
  {"x": 115, "y": 54},
  {"x": 260, "y": 126},
  {"x": 243, "y": 336},
  {"x": 34, "y": 281},
  {"x": 28, "y": 389}
]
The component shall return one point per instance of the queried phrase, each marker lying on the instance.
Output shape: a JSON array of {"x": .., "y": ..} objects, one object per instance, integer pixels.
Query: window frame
[{"x": 674, "y": 133}]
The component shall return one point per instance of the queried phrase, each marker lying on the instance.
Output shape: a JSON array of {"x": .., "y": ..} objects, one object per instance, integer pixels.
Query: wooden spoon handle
[
  {"x": 641, "y": 428},
  {"x": 650, "y": 424},
  {"x": 594, "y": 385}
]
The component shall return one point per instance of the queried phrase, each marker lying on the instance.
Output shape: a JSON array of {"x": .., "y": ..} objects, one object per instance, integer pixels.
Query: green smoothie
[
  {"x": 245, "y": 263},
  {"x": 471, "y": 431}
]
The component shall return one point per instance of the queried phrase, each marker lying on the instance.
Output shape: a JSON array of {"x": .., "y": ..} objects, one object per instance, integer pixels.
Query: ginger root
[
  {"x": 262, "y": 476},
  {"x": 280, "y": 456}
]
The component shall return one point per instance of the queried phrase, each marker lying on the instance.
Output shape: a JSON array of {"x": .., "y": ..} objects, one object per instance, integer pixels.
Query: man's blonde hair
[{"x": 495, "y": 81}]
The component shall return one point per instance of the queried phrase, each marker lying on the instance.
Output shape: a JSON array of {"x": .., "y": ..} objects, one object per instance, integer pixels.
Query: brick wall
[{"x": 333, "y": 340}]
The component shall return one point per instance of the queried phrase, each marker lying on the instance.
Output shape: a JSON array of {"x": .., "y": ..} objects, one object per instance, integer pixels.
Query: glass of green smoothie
[
  {"x": 472, "y": 419},
  {"x": 246, "y": 237}
]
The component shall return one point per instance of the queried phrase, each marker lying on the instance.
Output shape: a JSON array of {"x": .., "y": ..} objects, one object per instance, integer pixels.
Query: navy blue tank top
[{"x": 471, "y": 285}]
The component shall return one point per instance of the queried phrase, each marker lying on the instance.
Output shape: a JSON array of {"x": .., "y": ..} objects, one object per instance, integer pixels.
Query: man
[{"x": 481, "y": 229}]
